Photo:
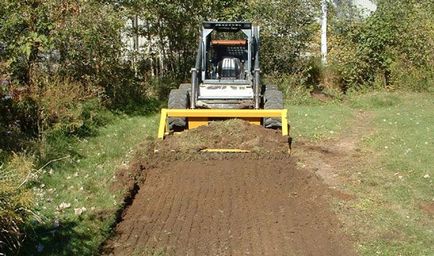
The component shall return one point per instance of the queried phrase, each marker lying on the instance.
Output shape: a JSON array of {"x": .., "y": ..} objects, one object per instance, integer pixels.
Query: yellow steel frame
[
  {"x": 224, "y": 150},
  {"x": 204, "y": 114}
]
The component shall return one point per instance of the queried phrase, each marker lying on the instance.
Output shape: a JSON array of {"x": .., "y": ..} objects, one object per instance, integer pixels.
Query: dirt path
[
  {"x": 248, "y": 205},
  {"x": 336, "y": 161}
]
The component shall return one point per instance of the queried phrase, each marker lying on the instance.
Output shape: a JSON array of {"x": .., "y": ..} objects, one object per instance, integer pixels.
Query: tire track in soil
[
  {"x": 182, "y": 207},
  {"x": 248, "y": 223},
  {"x": 195, "y": 225},
  {"x": 260, "y": 225},
  {"x": 186, "y": 222},
  {"x": 208, "y": 218},
  {"x": 246, "y": 206},
  {"x": 158, "y": 210},
  {"x": 170, "y": 219}
]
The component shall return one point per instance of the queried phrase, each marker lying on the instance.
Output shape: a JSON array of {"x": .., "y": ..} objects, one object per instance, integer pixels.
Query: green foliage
[
  {"x": 294, "y": 87},
  {"x": 65, "y": 110},
  {"x": 410, "y": 77},
  {"x": 44, "y": 119},
  {"x": 287, "y": 28},
  {"x": 60, "y": 60},
  {"x": 18, "y": 122},
  {"x": 83, "y": 35},
  {"x": 377, "y": 50},
  {"x": 24, "y": 33}
]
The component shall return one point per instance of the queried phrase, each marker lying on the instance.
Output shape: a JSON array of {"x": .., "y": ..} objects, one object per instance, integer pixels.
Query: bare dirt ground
[
  {"x": 259, "y": 203},
  {"x": 337, "y": 160}
]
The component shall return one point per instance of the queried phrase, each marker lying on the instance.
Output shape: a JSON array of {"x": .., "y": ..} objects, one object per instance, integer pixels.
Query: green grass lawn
[
  {"x": 398, "y": 182},
  {"x": 318, "y": 121},
  {"x": 388, "y": 216},
  {"x": 82, "y": 184}
]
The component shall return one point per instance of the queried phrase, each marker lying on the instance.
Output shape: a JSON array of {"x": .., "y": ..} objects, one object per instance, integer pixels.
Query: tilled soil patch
[{"x": 215, "y": 204}]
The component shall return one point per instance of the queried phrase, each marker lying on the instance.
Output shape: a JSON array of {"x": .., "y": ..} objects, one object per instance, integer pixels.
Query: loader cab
[
  {"x": 227, "y": 58},
  {"x": 224, "y": 80},
  {"x": 224, "y": 75}
]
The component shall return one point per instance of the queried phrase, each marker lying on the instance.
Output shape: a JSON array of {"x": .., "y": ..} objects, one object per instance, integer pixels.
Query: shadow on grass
[
  {"x": 66, "y": 239},
  {"x": 145, "y": 107}
]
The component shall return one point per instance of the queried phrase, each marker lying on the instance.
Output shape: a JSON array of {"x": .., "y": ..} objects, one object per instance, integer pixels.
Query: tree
[
  {"x": 368, "y": 51},
  {"x": 287, "y": 28}
]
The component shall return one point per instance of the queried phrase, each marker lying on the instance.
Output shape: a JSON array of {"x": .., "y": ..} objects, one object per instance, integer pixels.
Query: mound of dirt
[
  {"x": 258, "y": 203},
  {"x": 229, "y": 134}
]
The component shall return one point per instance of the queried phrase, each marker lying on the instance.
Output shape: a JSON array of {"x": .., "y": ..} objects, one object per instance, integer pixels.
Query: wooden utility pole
[
  {"x": 135, "y": 23},
  {"x": 324, "y": 32}
]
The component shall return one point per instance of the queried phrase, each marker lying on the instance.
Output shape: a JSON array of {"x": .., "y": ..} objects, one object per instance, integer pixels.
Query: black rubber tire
[
  {"x": 273, "y": 99},
  {"x": 269, "y": 87},
  {"x": 185, "y": 86},
  {"x": 178, "y": 99}
]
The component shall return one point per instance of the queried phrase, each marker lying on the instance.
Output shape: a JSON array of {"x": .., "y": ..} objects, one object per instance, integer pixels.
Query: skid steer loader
[{"x": 225, "y": 83}]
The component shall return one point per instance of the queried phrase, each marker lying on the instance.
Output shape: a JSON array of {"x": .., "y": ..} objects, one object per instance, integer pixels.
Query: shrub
[
  {"x": 18, "y": 121},
  {"x": 60, "y": 104},
  {"x": 393, "y": 48},
  {"x": 410, "y": 77},
  {"x": 294, "y": 87},
  {"x": 66, "y": 109}
]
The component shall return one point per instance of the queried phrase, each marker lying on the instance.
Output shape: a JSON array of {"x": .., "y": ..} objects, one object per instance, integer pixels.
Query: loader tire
[
  {"x": 273, "y": 99},
  {"x": 178, "y": 99},
  {"x": 270, "y": 87},
  {"x": 185, "y": 86}
]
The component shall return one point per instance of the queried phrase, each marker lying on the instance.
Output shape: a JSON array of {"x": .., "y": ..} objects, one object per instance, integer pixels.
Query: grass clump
[
  {"x": 16, "y": 201},
  {"x": 374, "y": 100}
]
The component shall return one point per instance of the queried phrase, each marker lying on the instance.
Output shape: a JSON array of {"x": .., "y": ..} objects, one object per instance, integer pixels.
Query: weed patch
[
  {"x": 16, "y": 200},
  {"x": 375, "y": 100}
]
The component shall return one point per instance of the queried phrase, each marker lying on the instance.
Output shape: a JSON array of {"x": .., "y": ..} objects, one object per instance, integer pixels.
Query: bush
[
  {"x": 294, "y": 87},
  {"x": 285, "y": 35},
  {"x": 60, "y": 104},
  {"x": 66, "y": 109},
  {"x": 16, "y": 201},
  {"x": 393, "y": 48},
  {"x": 299, "y": 88},
  {"x": 18, "y": 121},
  {"x": 41, "y": 117},
  {"x": 408, "y": 77}
]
